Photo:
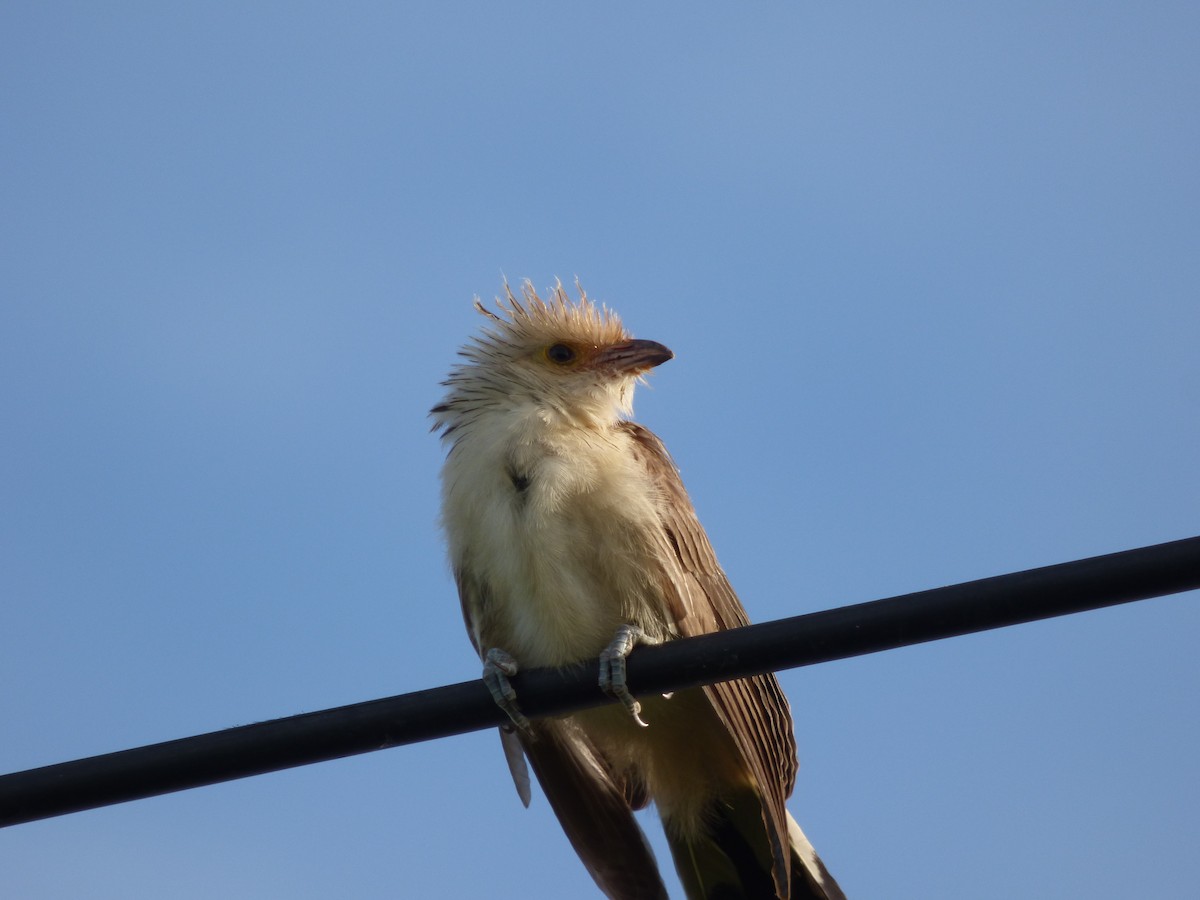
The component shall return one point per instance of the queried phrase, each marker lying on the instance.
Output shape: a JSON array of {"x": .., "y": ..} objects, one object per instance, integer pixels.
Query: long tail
[
  {"x": 733, "y": 858},
  {"x": 810, "y": 878}
]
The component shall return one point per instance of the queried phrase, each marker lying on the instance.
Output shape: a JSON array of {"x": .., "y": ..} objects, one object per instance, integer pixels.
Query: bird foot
[
  {"x": 498, "y": 667},
  {"x": 612, "y": 667}
]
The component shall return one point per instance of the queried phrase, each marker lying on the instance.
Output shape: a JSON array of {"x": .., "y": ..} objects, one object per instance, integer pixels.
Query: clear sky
[{"x": 930, "y": 274}]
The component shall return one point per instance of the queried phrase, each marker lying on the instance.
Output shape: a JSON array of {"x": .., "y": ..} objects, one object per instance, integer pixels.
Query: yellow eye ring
[{"x": 561, "y": 354}]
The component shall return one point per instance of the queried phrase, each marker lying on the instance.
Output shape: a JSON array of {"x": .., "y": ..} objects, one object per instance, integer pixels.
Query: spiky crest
[{"x": 497, "y": 365}]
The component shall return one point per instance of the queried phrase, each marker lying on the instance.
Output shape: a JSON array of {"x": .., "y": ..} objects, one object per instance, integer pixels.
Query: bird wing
[{"x": 701, "y": 600}]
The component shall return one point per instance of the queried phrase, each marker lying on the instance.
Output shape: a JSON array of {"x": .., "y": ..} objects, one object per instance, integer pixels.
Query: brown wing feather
[{"x": 753, "y": 709}]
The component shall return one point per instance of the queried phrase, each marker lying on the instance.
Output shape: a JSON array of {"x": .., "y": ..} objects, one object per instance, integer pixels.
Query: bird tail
[
  {"x": 731, "y": 857},
  {"x": 810, "y": 878}
]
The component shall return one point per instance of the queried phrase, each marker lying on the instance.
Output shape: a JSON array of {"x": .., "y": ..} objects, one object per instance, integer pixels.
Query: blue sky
[{"x": 929, "y": 271}]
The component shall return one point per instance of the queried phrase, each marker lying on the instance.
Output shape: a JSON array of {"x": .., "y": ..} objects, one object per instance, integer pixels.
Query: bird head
[{"x": 565, "y": 361}]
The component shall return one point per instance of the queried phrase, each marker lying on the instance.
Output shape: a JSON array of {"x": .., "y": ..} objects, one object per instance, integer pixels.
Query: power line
[{"x": 440, "y": 712}]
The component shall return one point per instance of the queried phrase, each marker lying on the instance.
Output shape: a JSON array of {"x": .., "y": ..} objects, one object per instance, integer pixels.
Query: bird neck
[{"x": 536, "y": 417}]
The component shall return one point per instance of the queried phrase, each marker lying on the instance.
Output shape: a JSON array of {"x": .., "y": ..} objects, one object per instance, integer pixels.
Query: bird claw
[
  {"x": 612, "y": 668},
  {"x": 498, "y": 667}
]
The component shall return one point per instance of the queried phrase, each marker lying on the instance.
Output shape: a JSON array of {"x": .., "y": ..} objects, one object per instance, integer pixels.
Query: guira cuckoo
[{"x": 572, "y": 538}]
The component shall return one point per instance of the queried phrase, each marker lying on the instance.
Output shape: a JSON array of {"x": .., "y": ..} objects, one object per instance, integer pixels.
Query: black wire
[{"x": 800, "y": 641}]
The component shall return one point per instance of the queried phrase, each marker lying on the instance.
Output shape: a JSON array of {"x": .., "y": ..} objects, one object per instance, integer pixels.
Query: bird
[{"x": 571, "y": 538}]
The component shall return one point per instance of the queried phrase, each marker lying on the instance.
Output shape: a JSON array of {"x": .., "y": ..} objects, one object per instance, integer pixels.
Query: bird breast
[{"x": 560, "y": 530}]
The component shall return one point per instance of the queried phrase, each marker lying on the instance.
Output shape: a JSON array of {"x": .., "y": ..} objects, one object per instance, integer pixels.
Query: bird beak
[{"x": 634, "y": 357}]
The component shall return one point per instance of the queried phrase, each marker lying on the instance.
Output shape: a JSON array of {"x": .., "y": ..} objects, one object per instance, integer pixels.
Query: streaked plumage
[{"x": 565, "y": 521}]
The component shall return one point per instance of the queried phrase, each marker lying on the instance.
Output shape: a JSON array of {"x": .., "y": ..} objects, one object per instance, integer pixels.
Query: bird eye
[{"x": 560, "y": 353}]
